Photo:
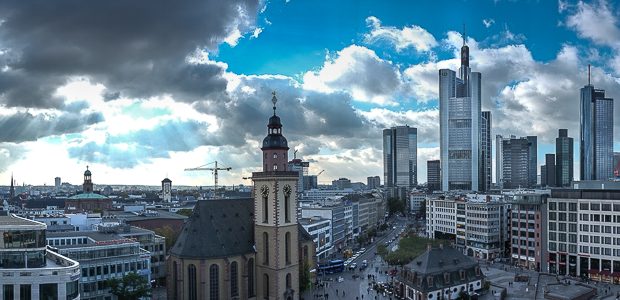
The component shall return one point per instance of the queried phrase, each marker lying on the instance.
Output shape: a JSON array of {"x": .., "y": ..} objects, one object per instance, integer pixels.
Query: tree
[
  {"x": 169, "y": 233},
  {"x": 97, "y": 210},
  {"x": 129, "y": 287},
  {"x": 395, "y": 205},
  {"x": 185, "y": 212},
  {"x": 305, "y": 279},
  {"x": 423, "y": 208}
]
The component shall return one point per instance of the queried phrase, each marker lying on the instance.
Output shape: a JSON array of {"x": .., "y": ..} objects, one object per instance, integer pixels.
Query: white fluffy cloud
[
  {"x": 597, "y": 22},
  {"x": 414, "y": 36}
]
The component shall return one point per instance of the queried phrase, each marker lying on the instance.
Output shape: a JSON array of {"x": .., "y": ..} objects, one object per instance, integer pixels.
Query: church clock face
[
  {"x": 264, "y": 191},
  {"x": 287, "y": 190}
]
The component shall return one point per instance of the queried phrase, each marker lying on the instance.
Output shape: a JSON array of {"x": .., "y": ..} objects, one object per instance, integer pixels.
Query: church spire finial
[{"x": 274, "y": 100}]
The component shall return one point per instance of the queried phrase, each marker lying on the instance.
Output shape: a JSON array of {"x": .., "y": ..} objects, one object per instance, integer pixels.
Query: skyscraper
[
  {"x": 486, "y": 171},
  {"x": 533, "y": 158},
  {"x": 499, "y": 166},
  {"x": 550, "y": 169},
  {"x": 516, "y": 165},
  {"x": 400, "y": 159},
  {"x": 460, "y": 126},
  {"x": 596, "y": 134},
  {"x": 373, "y": 182},
  {"x": 563, "y": 159},
  {"x": 433, "y": 175}
]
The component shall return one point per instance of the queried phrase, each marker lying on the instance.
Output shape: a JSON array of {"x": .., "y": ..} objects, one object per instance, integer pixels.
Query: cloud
[
  {"x": 117, "y": 44},
  {"x": 358, "y": 71},
  {"x": 596, "y": 22},
  {"x": 414, "y": 37},
  {"x": 488, "y": 23},
  {"x": 23, "y": 126}
]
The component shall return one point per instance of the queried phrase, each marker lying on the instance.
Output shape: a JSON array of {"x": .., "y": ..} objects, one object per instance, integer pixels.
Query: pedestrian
[
  {"x": 342, "y": 293},
  {"x": 336, "y": 291}
]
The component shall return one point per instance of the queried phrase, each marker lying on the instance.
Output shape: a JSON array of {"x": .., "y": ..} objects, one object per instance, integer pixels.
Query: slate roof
[
  {"x": 217, "y": 228},
  {"x": 302, "y": 234},
  {"x": 439, "y": 268}
]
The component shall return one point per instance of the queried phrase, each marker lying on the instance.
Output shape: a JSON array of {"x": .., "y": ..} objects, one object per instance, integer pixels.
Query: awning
[
  {"x": 615, "y": 274},
  {"x": 593, "y": 271},
  {"x": 605, "y": 272}
]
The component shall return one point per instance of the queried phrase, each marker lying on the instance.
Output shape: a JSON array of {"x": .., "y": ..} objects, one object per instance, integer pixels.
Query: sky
[{"x": 140, "y": 91}]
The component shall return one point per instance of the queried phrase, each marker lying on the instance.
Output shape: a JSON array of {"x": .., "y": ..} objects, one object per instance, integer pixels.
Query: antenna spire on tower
[
  {"x": 588, "y": 74},
  {"x": 463, "y": 34}
]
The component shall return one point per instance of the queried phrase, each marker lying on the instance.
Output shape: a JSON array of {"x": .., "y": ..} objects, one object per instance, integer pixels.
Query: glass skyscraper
[
  {"x": 400, "y": 158},
  {"x": 460, "y": 126},
  {"x": 486, "y": 146},
  {"x": 596, "y": 135},
  {"x": 563, "y": 159}
]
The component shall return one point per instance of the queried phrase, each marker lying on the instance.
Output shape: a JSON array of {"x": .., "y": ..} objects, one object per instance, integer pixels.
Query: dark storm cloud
[
  {"x": 23, "y": 127},
  {"x": 136, "y": 49}
]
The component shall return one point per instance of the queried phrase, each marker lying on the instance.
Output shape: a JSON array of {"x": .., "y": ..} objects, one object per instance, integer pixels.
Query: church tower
[
  {"x": 166, "y": 190},
  {"x": 87, "y": 186},
  {"x": 275, "y": 218}
]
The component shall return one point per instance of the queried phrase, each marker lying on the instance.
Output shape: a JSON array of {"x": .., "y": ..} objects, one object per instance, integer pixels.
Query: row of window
[
  {"x": 598, "y": 228},
  {"x": 46, "y": 291},
  {"x": 67, "y": 241},
  {"x": 562, "y": 227},
  {"x": 114, "y": 268},
  {"x": 599, "y": 218},
  {"x": 572, "y": 217}
]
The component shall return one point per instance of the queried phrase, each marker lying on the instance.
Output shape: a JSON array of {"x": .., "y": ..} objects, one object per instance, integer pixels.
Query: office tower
[
  {"x": 617, "y": 165},
  {"x": 57, "y": 182},
  {"x": 533, "y": 158},
  {"x": 543, "y": 175},
  {"x": 460, "y": 126},
  {"x": 499, "y": 167},
  {"x": 373, "y": 182},
  {"x": 486, "y": 171},
  {"x": 433, "y": 175},
  {"x": 400, "y": 159},
  {"x": 563, "y": 159},
  {"x": 516, "y": 165},
  {"x": 596, "y": 134},
  {"x": 550, "y": 169}
]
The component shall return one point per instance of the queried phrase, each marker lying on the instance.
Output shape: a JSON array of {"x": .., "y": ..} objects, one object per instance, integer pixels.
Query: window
[
  {"x": 595, "y": 206},
  {"x": 275, "y": 167},
  {"x": 553, "y": 205},
  {"x": 25, "y": 291},
  {"x": 7, "y": 290},
  {"x": 72, "y": 290},
  {"x": 48, "y": 291},
  {"x": 289, "y": 280},
  {"x": 250, "y": 286},
  {"x": 552, "y": 236},
  {"x": 562, "y": 217},
  {"x": 287, "y": 248},
  {"x": 572, "y": 248},
  {"x": 275, "y": 155},
  {"x": 572, "y": 206},
  {"x": 265, "y": 286},
  {"x": 572, "y": 238},
  {"x": 583, "y": 206},
  {"x": 287, "y": 208},
  {"x": 562, "y": 206},
  {"x": 606, "y": 207},
  {"x": 192, "y": 289},
  {"x": 265, "y": 210},
  {"x": 552, "y": 216},
  {"x": 214, "y": 292},
  {"x": 572, "y": 217},
  {"x": 561, "y": 226},
  {"x": 572, "y": 227},
  {"x": 234, "y": 290},
  {"x": 552, "y": 226},
  {"x": 266, "y": 248}
]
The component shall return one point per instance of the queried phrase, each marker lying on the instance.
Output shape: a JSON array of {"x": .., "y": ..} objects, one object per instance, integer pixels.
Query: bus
[{"x": 331, "y": 267}]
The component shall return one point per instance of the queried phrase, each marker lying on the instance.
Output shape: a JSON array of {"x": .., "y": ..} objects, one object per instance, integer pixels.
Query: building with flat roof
[
  {"x": 596, "y": 134},
  {"x": 30, "y": 269},
  {"x": 528, "y": 230}
]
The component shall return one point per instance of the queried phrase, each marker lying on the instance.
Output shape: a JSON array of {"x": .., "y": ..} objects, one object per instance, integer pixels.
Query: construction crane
[{"x": 202, "y": 168}]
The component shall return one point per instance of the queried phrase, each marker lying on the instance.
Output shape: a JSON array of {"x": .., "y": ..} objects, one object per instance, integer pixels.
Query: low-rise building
[
  {"x": 320, "y": 230},
  {"x": 528, "y": 231},
  {"x": 30, "y": 270}
]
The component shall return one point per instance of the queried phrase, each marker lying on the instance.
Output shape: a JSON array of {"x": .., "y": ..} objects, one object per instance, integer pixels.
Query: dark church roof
[
  {"x": 217, "y": 228},
  {"x": 220, "y": 228}
]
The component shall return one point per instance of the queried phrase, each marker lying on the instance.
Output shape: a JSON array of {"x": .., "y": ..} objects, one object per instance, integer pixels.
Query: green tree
[
  {"x": 97, "y": 210},
  {"x": 395, "y": 205},
  {"x": 185, "y": 212},
  {"x": 169, "y": 233},
  {"x": 423, "y": 208},
  {"x": 383, "y": 227},
  {"x": 305, "y": 280},
  {"x": 129, "y": 287}
]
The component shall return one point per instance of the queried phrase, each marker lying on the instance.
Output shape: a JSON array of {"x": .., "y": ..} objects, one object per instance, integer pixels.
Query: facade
[
  {"x": 528, "y": 231},
  {"x": 460, "y": 126},
  {"x": 596, "y": 134},
  {"x": 533, "y": 141},
  {"x": 516, "y": 163},
  {"x": 543, "y": 175},
  {"x": 57, "y": 182},
  {"x": 415, "y": 200},
  {"x": 30, "y": 270},
  {"x": 245, "y": 248},
  {"x": 400, "y": 159},
  {"x": 582, "y": 234},
  {"x": 373, "y": 182},
  {"x": 341, "y": 184},
  {"x": 550, "y": 170},
  {"x": 433, "y": 175},
  {"x": 296, "y": 165},
  {"x": 336, "y": 214},
  {"x": 476, "y": 223},
  {"x": 439, "y": 273},
  {"x": 320, "y": 230},
  {"x": 563, "y": 159},
  {"x": 102, "y": 254},
  {"x": 486, "y": 149},
  {"x": 499, "y": 143}
]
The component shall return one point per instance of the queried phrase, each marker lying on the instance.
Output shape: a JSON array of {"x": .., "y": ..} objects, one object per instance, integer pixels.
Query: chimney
[
  {"x": 428, "y": 247},
  {"x": 441, "y": 245}
]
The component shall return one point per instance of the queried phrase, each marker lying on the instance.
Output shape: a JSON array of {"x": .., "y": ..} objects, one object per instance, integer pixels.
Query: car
[
  {"x": 362, "y": 250},
  {"x": 352, "y": 266},
  {"x": 355, "y": 256}
]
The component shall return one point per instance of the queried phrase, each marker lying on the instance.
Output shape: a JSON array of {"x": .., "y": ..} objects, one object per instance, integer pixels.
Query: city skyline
[{"x": 138, "y": 95}]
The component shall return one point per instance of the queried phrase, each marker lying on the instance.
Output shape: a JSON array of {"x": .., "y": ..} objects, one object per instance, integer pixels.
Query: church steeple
[
  {"x": 464, "y": 51},
  {"x": 12, "y": 190},
  {"x": 275, "y": 147},
  {"x": 87, "y": 187}
]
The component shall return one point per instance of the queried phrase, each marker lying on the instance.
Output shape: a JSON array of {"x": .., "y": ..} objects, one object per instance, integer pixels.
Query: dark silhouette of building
[
  {"x": 550, "y": 169},
  {"x": 563, "y": 159},
  {"x": 433, "y": 175}
]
